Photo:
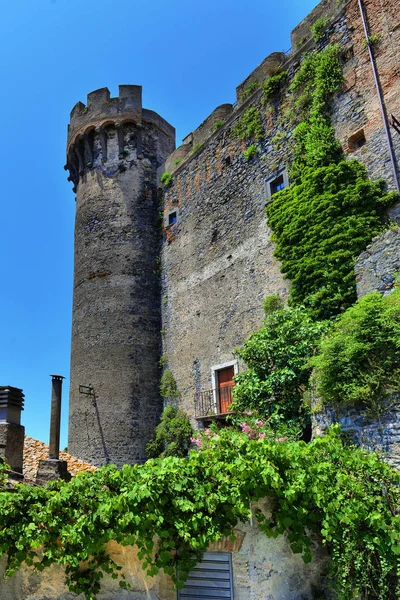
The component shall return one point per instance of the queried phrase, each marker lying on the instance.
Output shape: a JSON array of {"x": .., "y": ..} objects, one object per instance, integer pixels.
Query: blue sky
[{"x": 188, "y": 56}]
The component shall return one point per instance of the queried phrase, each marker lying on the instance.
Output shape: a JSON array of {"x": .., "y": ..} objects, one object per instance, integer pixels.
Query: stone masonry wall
[
  {"x": 217, "y": 259},
  {"x": 378, "y": 268}
]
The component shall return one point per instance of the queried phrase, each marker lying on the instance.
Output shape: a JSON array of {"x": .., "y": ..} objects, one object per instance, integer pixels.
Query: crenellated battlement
[
  {"x": 93, "y": 127},
  {"x": 101, "y": 108}
]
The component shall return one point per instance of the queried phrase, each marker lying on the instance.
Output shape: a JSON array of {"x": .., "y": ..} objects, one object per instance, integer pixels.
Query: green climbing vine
[
  {"x": 176, "y": 507},
  {"x": 325, "y": 219}
]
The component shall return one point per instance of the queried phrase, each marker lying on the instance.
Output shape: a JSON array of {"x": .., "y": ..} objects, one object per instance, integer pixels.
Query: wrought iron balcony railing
[{"x": 213, "y": 403}]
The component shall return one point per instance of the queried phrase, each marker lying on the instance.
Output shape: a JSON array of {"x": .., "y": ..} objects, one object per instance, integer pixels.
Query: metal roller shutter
[{"x": 210, "y": 579}]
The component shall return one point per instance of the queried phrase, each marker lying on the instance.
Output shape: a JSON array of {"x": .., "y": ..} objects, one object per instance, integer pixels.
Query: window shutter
[{"x": 210, "y": 579}]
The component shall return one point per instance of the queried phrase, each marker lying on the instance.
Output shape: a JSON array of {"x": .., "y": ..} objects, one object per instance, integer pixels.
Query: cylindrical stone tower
[{"x": 114, "y": 150}]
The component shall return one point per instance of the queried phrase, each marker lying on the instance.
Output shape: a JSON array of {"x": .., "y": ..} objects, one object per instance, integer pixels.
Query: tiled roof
[{"x": 35, "y": 451}]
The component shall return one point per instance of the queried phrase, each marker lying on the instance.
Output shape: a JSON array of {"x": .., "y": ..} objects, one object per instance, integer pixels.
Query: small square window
[
  {"x": 276, "y": 183},
  {"x": 172, "y": 218},
  {"x": 356, "y": 141}
]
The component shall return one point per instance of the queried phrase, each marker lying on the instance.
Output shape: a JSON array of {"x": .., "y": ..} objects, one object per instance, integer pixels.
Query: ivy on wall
[
  {"x": 329, "y": 214},
  {"x": 249, "y": 126},
  {"x": 321, "y": 224}
]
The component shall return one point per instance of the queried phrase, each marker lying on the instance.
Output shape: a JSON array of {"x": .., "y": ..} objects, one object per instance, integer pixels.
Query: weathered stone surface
[
  {"x": 376, "y": 434},
  {"x": 218, "y": 262},
  {"x": 51, "y": 470},
  {"x": 378, "y": 268}
]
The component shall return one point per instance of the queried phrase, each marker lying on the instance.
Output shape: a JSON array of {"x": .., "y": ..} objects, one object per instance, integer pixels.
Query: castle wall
[
  {"x": 113, "y": 154},
  {"x": 217, "y": 258}
]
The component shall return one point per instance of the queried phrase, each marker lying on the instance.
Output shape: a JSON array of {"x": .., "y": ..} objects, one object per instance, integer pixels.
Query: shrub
[
  {"x": 272, "y": 303},
  {"x": 172, "y": 435},
  {"x": 250, "y": 152},
  {"x": 168, "y": 387},
  {"x": 218, "y": 125},
  {"x": 318, "y": 28},
  {"x": 359, "y": 361},
  {"x": 249, "y": 90},
  {"x": 249, "y": 126},
  {"x": 272, "y": 87},
  {"x": 166, "y": 179},
  {"x": 278, "y": 371}
]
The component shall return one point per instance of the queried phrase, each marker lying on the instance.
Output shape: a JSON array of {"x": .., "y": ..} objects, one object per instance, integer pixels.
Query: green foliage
[
  {"x": 249, "y": 90},
  {"x": 272, "y": 87},
  {"x": 196, "y": 148},
  {"x": 278, "y": 371},
  {"x": 168, "y": 387},
  {"x": 321, "y": 224},
  {"x": 172, "y": 435},
  {"x": 347, "y": 496},
  {"x": 218, "y": 125},
  {"x": 250, "y": 152},
  {"x": 318, "y": 28},
  {"x": 249, "y": 126},
  {"x": 372, "y": 40},
  {"x": 301, "y": 42},
  {"x": 166, "y": 178},
  {"x": 359, "y": 360},
  {"x": 163, "y": 360},
  {"x": 331, "y": 211},
  {"x": 272, "y": 303},
  {"x": 177, "y": 161},
  {"x": 3, "y": 474},
  {"x": 319, "y": 77},
  {"x": 278, "y": 139}
]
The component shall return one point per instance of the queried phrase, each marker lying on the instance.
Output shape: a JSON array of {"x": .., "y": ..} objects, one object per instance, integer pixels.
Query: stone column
[{"x": 11, "y": 431}]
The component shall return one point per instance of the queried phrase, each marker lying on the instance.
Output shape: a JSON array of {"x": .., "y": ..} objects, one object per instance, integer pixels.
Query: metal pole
[
  {"x": 380, "y": 97},
  {"x": 55, "y": 420}
]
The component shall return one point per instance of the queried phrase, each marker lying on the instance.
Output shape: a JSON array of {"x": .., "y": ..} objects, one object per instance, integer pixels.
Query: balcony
[{"x": 213, "y": 405}]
